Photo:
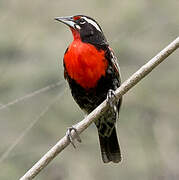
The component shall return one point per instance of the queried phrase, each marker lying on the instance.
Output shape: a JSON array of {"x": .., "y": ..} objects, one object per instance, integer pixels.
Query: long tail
[{"x": 110, "y": 150}]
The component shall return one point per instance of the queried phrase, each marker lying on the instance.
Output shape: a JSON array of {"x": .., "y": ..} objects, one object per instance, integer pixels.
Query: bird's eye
[{"x": 82, "y": 21}]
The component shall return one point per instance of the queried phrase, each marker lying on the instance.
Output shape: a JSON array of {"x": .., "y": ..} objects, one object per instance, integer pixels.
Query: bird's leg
[
  {"x": 69, "y": 136},
  {"x": 112, "y": 102}
]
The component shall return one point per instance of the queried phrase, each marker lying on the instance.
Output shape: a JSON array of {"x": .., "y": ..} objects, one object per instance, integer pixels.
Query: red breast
[{"x": 84, "y": 62}]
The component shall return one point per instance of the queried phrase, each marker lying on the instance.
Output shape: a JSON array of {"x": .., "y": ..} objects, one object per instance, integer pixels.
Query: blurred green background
[{"x": 31, "y": 53}]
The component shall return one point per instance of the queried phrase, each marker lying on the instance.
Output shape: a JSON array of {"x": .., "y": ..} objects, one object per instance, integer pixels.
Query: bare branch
[
  {"x": 29, "y": 127},
  {"x": 39, "y": 91},
  {"x": 82, "y": 125}
]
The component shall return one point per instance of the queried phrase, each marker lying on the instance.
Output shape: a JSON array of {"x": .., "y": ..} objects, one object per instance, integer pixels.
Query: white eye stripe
[
  {"x": 83, "y": 22},
  {"x": 93, "y": 23}
]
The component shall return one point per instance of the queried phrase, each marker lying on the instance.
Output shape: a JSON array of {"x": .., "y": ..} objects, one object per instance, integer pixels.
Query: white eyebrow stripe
[{"x": 93, "y": 23}]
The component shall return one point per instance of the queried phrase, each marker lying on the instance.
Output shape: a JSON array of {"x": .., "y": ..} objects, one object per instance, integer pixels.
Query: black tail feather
[{"x": 110, "y": 150}]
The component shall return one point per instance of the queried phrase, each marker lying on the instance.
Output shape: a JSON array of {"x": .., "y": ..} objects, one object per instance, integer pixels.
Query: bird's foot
[
  {"x": 69, "y": 136},
  {"x": 112, "y": 101}
]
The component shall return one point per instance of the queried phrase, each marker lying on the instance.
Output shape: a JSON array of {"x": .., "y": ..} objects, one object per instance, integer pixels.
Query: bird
[{"x": 93, "y": 74}]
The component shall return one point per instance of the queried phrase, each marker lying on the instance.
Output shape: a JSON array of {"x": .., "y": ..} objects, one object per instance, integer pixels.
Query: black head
[{"x": 88, "y": 29}]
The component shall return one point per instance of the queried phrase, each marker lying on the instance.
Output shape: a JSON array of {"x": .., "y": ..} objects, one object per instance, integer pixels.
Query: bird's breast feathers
[{"x": 85, "y": 64}]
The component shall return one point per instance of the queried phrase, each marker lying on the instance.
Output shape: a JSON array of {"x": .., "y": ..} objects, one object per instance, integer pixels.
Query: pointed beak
[{"x": 66, "y": 20}]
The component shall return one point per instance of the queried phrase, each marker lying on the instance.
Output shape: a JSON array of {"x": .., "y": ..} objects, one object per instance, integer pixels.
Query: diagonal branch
[
  {"x": 32, "y": 94},
  {"x": 82, "y": 125}
]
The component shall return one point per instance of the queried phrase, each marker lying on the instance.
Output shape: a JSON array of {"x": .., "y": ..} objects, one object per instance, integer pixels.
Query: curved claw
[
  {"x": 69, "y": 136},
  {"x": 113, "y": 104}
]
